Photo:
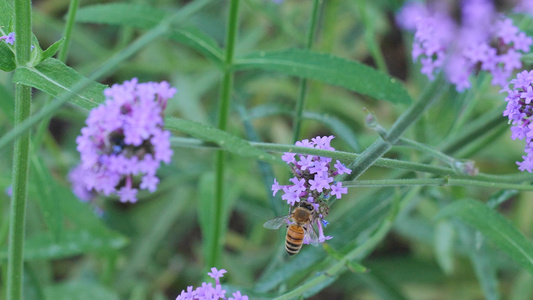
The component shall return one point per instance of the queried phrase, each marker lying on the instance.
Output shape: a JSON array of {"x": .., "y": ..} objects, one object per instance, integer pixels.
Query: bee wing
[
  {"x": 312, "y": 235},
  {"x": 277, "y": 222}
]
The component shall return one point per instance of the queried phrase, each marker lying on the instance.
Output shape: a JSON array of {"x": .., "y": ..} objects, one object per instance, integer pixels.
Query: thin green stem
[
  {"x": 370, "y": 37},
  {"x": 476, "y": 129},
  {"x": 347, "y": 156},
  {"x": 223, "y": 112},
  {"x": 17, "y": 214},
  {"x": 340, "y": 266},
  {"x": 437, "y": 182},
  {"x": 67, "y": 33},
  {"x": 62, "y": 56},
  {"x": 381, "y": 146},
  {"x": 303, "y": 82}
]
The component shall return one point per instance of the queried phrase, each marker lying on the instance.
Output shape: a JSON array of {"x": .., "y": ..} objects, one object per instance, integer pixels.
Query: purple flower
[
  {"x": 341, "y": 168},
  {"x": 216, "y": 274},
  {"x": 207, "y": 291},
  {"x": 519, "y": 110},
  {"x": 276, "y": 187},
  {"x": 289, "y": 157},
  {"x": 313, "y": 176},
  {"x": 483, "y": 41},
  {"x": 237, "y": 296},
  {"x": 124, "y": 142},
  {"x": 10, "y": 38},
  {"x": 337, "y": 190}
]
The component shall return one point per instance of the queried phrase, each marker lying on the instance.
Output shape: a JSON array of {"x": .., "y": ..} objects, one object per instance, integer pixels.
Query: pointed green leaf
[
  {"x": 223, "y": 139},
  {"x": 145, "y": 17},
  {"x": 56, "y": 79},
  {"x": 330, "y": 69},
  {"x": 44, "y": 247},
  {"x": 495, "y": 228},
  {"x": 52, "y": 50},
  {"x": 7, "y": 58},
  {"x": 135, "y": 15}
]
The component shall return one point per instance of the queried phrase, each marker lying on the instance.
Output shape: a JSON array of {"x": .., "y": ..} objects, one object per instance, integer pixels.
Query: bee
[{"x": 299, "y": 227}]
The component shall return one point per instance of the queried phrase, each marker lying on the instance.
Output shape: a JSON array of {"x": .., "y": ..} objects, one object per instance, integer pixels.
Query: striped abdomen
[{"x": 294, "y": 239}]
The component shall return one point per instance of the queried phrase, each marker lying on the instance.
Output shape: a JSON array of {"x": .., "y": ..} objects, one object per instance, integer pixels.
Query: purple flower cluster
[
  {"x": 519, "y": 111},
  {"x": 313, "y": 179},
  {"x": 208, "y": 292},
  {"x": 124, "y": 142},
  {"x": 483, "y": 41}
]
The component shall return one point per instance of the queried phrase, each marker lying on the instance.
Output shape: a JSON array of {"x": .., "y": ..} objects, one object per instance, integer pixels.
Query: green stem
[
  {"x": 62, "y": 56},
  {"x": 437, "y": 182},
  {"x": 347, "y": 156},
  {"x": 370, "y": 38},
  {"x": 303, "y": 82},
  {"x": 477, "y": 128},
  {"x": 381, "y": 146},
  {"x": 67, "y": 33},
  {"x": 223, "y": 112},
  {"x": 17, "y": 214},
  {"x": 340, "y": 265}
]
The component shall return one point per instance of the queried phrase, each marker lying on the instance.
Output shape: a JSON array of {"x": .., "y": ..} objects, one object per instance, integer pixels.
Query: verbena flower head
[
  {"x": 313, "y": 180},
  {"x": 209, "y": 292},
  {"x": 483, "y": 40},
  {"x": 520, "y": 111},
  {"x": 124, "y": 142}
]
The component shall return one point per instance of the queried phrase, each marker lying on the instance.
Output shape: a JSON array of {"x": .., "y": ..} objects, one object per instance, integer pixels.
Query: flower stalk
[
  {"x": 21, "y": 151},
  {"x": 303, "y": 82},
  {"x": 381, "y": 146},
  {"x": 223, "y": 112}
]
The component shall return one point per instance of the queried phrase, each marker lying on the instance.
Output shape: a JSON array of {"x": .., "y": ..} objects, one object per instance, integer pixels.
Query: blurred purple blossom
[
  {"x": 10, "y": 38},
  {"x": 208, "y": 292},
  {"x": 124, "y": 142},
  {"x": 519, "y": 111},
  {"x": 484, "y": 40}
]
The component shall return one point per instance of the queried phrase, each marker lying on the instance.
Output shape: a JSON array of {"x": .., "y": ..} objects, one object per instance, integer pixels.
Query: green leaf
[
  {"x": 55, "y": 78},
  {"x": 199, "y": 41},
  {"x": 7, "y": 58},
  {"x": 495, "y": 228},
  {"x": 135, "y": 15},
  {"x": 6, "y": 13},
  {"x": 80, "y": 290},
  {"x": 444, "y": 237},
  {"x": 223, "y": 139},
  {"x": 482, "y": 259},
  {"x": 329, "y": 69},
  {"x": 145, "y": 17},
  {"x": 52, "y": 50},
  {"x": 48, "y": 200},
  {"x": 44, "y": 247}
]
